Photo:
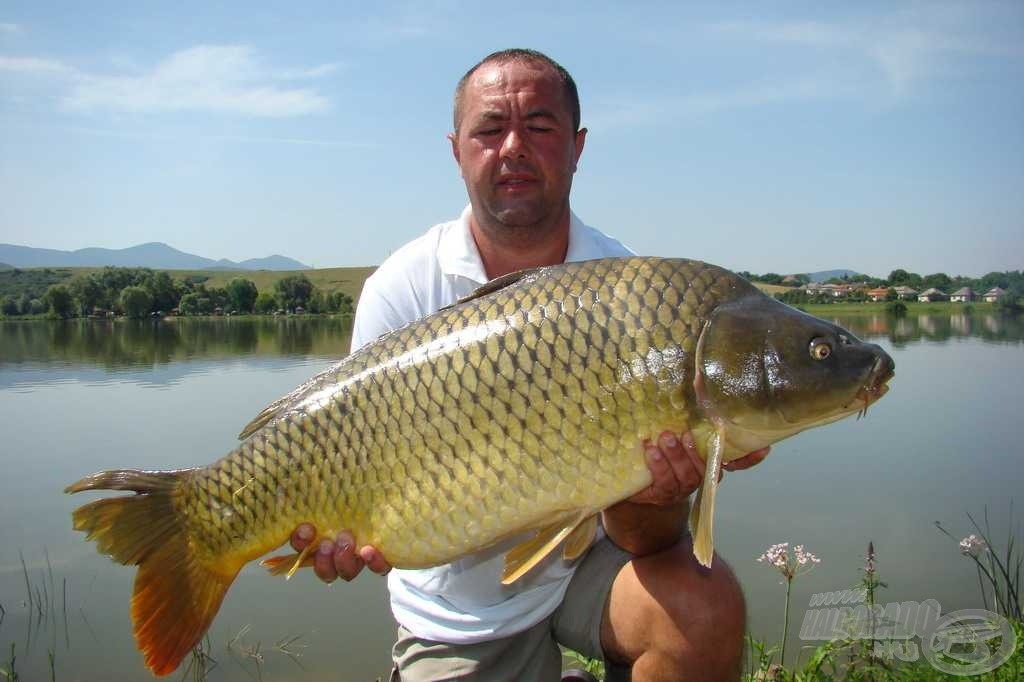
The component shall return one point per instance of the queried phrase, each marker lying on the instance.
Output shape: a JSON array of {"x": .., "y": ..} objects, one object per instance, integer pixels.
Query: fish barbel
[{"x": 521, "y": 408}]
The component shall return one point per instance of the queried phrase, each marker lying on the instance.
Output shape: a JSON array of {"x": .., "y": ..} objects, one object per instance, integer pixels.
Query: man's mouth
[{"x": 515, "y": 181}]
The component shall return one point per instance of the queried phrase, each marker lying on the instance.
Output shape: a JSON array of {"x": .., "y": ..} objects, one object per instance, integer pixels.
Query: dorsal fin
[
  {"x": 495, "y": 284},
  {"x": 276, "y": 407}
]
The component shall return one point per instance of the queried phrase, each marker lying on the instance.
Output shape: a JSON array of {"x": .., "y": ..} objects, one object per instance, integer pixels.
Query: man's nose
[{"x": 514, "y": 145}]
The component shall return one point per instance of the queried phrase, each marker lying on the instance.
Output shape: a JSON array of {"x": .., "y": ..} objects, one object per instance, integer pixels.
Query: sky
[{"x": 771, "y": 137}]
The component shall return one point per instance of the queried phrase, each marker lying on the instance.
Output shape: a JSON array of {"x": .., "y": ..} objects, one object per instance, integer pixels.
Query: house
[
  {"x": 932, "y": 294},
  {"x": 905, "y": 293},
  {"x": 878, "y": 294},
  {"x": 962, "y": 295},
  {"x": 835, "y": 290},
  {"x": 993, "y": 295}
]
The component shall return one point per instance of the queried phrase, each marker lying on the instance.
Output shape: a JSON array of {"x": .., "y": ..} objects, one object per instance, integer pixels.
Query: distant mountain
[
  {"x": 5, "y": 266},
  {"x": 825, "y": 275},
  {"x": 152, "y": 255}
]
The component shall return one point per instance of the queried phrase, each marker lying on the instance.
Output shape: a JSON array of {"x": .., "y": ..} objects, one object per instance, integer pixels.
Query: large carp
[{"x": 522, "y": 407}]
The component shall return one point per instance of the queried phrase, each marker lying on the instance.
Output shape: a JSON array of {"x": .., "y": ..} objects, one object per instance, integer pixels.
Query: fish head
[{"x": 768, "y": 370}]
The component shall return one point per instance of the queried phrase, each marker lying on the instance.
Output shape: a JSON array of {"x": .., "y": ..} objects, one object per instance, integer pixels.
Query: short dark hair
[{"x": 519, "y": 54}]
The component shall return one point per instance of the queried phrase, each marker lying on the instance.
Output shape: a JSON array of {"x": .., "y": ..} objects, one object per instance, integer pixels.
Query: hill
[
  {"x": 825, "y": 275},
  {"x": 156, "y": 255}
]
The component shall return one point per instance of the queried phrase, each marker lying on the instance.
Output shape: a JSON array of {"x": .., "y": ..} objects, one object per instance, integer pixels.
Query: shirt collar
[{"x": 457, "y": 253}]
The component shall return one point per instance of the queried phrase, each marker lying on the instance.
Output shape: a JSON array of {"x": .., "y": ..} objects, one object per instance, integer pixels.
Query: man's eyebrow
[{"x": 502, "y": 115}]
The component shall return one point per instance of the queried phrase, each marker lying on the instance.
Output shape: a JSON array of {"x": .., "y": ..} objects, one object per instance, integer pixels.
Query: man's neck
[{"x": 503, "y": 250}]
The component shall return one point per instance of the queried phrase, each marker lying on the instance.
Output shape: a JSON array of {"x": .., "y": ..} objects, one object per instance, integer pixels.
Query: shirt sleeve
[{"x": 374, "y": 316}]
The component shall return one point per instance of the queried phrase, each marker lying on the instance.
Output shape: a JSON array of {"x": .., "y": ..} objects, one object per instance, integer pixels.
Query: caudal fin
[{"x": 176, "y": 594}]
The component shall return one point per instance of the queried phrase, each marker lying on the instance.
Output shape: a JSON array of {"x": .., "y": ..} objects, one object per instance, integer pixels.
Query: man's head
[
  {"x": 517, "y": 140},
  {"x": 572, "y": 96}
]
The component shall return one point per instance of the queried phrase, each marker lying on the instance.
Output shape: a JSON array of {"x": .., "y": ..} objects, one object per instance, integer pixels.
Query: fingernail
[
  {"x": 670, "y": 441},
  {"x": 655, "y": 454},
  {"x": 325, "y": 547},
  {"x": 344, "y": 541},
  {"x": 305, "y": 532}
]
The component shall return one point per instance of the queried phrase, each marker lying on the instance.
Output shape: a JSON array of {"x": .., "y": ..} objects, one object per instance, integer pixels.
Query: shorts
[{"x": 532, "y": 655}]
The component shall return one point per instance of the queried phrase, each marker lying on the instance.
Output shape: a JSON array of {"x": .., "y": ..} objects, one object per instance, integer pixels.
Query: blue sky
[{"x": 784, "y": 137}]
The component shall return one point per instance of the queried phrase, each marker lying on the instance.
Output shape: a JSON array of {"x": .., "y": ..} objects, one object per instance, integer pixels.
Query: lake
[{"x": 81, "y": 396}]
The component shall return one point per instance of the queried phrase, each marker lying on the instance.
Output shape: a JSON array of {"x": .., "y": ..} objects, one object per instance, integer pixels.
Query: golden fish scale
[{"x": 506, "y": 412}]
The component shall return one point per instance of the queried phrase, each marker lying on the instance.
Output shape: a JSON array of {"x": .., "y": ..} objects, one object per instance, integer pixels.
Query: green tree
[
  {"x": 9, "y": 306},
  {"x": 293, "y": 291},
  {"x": 937, "y": 280},
  {"x": 59, "y": 301},
  {"x": 38, "y": 307},
  {"x": 242, "y": 294},
  {"x": 265, "y": 303},
  {"x": 189, "y": 304},
  {"x": 136, "y": 302},
  {"x": 25, "y": 304},
  {"x": 340, "y": 302},
  {"x": 89, "y": 293},
  {"x": 163, "y": 290}
]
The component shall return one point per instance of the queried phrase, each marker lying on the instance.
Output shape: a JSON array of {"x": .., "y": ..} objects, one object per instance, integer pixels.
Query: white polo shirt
[{"x": 464, "y": 601}]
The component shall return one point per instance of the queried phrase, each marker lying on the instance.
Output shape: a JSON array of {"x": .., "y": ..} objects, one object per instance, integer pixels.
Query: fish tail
[{"x": 177, "y": 593}]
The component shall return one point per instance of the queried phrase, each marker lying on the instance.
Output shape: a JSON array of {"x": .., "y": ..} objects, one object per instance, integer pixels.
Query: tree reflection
[{"x": 140, "y": 343}]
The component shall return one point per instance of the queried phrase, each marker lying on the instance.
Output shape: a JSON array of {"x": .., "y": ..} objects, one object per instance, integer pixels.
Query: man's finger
[
  {"x": 323, "y": 565},
  {"x": 302, "y": 536},
  {"x": 687, "y": 478},
  {"x": 374, "y": 560},
  {"x": 347, "y": 563}
]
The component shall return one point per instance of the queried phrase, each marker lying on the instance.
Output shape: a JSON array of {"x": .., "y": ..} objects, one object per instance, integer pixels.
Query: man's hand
[
  {"x": 678, "y": 470},
  {"x": 653, "y": 519},
  {"x": 338, "y": 558}
]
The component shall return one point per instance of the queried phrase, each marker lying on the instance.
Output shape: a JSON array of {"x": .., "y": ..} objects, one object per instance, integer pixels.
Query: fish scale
[{"x": 521, "y": 407}]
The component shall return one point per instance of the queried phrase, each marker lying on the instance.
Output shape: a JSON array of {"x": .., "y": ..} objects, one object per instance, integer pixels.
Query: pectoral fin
[
  {"x": 702, "y": 515},
  {"x": 521, "y": 558}
]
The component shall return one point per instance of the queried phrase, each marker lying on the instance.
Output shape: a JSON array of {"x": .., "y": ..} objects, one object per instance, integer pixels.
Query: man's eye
[
  {"x": 540, "y": 129},
  {"x": 489, "y": 131}
]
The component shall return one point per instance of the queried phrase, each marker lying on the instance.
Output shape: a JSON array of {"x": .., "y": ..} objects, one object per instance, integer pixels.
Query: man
[{"x": 638, "y": 598}]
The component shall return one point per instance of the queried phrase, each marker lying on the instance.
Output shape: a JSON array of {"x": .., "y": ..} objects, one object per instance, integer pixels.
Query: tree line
[
  {"x": 1011, "y": 281},
  {"x": 142, "y": 292}
]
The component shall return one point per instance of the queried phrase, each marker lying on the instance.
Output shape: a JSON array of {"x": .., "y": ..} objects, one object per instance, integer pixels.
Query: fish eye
[{"x": 820, "y": 348}]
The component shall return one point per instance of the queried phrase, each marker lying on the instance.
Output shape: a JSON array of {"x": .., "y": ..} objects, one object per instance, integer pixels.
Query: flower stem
[{"x": 785, "y": 622}]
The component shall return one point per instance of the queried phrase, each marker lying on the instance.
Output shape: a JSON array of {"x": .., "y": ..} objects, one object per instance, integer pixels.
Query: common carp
[{"x": 521, "y": 408}]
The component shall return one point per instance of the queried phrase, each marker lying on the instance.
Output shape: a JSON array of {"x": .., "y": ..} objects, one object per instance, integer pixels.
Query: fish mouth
[{"x": 876, "y": 385}]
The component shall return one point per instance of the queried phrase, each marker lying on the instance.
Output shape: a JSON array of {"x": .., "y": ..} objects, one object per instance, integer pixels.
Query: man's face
[{"x": 516, "y": 145}]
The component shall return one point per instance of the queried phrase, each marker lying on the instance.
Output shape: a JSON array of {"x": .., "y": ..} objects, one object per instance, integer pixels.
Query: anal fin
[{"x": 524, "y": 556}]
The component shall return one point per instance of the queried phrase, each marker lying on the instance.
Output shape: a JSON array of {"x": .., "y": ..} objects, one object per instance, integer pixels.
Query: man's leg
[
  {"x": 525, "y": 657},
  {"x": 674, "y": 620}
]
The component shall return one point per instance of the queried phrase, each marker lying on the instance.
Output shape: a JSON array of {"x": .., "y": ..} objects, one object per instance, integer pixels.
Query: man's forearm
[{"x": 643, "y": 529}]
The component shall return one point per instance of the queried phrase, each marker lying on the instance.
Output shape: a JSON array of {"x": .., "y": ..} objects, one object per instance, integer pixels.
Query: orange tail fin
[{"x": 177, "y": 594}]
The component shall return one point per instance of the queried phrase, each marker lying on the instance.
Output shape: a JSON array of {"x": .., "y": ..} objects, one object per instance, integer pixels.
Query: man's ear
[
  {"x": 454, "y": 139},
  {"x": 581, "y": 139}
]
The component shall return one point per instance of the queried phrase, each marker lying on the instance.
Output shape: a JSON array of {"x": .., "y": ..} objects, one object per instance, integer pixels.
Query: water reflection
[
  {"x": 124, "y": 343},
  {"x": 933, "y": 327}
]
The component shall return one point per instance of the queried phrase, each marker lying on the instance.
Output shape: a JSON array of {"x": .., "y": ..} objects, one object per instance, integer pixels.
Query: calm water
[{"x": 79, "y": 397}]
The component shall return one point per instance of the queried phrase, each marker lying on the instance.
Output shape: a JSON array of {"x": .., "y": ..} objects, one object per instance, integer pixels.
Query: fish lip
[{"x": 876, "y": 383}]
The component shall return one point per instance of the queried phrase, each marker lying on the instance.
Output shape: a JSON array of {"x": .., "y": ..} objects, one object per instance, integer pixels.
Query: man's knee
[{"x": 694, "y": 614}]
